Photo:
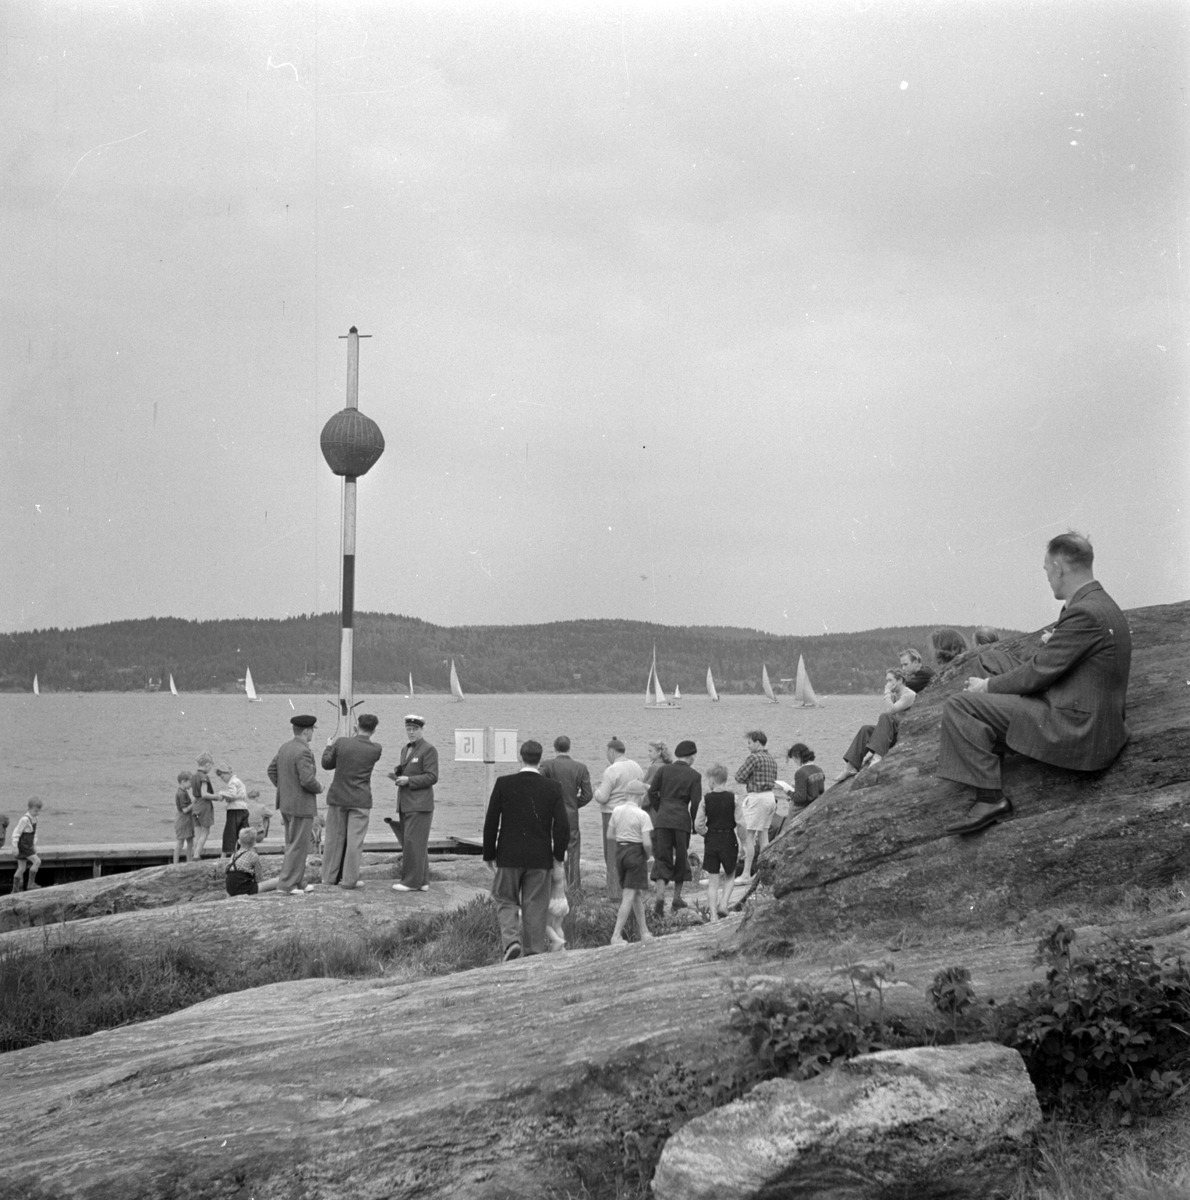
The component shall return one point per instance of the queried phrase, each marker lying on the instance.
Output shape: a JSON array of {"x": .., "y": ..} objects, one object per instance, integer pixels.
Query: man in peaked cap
[
  {"x": 415, "y": 778},
  {"x": 674, "y": 797},
  {"x": 295, "y": 777}
]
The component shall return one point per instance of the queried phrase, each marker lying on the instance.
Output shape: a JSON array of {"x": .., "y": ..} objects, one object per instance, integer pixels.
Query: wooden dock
[{"x": 68, "y": 864}]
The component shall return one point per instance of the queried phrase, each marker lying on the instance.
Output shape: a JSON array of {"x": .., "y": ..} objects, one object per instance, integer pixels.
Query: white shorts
[{"x": 758, "y": 810}]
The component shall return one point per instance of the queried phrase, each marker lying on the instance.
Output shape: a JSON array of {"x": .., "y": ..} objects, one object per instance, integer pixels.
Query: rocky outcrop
[
  {"x": 932, "y": 1122},
  {"x": 873, "y": 853},
  {"x": 233, "y": 930}
]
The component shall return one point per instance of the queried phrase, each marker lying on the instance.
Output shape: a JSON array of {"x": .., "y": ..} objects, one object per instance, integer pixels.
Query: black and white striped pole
[{"x": 351, "y": 444}]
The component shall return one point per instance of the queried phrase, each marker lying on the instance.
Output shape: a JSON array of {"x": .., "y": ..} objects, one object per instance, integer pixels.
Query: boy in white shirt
[
  {"x": 24, "y": 843},
  {"x": 630, "y": 830}
]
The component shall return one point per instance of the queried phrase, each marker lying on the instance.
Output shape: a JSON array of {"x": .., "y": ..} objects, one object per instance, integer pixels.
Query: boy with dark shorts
[
  {"x": 720, "y": 820},
  {"x": 631, "y": 829}
]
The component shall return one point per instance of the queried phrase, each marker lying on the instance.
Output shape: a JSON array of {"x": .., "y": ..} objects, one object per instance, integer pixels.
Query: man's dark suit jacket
[
  {"x": 295, "y": 777},
  {"x": 419, "y": 760},
  {"x": 1075, "y": 686},
  {"x": 352, "y": 760},
  {"x": 526, "y": 824},
  {"x": 575, "y": 780}
]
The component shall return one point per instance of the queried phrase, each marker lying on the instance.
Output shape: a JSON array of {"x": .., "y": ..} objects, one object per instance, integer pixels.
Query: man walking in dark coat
[
  {"x": 348, "y": 802},
  {"x": 525, "y": 835},
  {"x": 674, "y": 797},
  {"x": 295, "y": 777},
  {"x": 1065, "y": 706},
  {"x": 576, "y": 793}
]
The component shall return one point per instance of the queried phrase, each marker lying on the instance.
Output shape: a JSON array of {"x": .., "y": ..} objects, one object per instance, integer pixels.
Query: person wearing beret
[
  {"x": 674, "y": 794},
  {"x": 295, "y": 777},
  {"x": 415, "y": 778}
]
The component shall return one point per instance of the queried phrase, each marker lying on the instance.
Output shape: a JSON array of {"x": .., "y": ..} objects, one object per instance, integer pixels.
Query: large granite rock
[
  {"x": 934, "y": 1123},
  {"x": 131, "y": 912},
  {"x": 874, "y": 853}
]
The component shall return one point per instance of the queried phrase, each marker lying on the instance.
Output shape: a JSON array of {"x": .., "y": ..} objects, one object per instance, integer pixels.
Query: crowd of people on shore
[{"x": 1064, "y": 706}]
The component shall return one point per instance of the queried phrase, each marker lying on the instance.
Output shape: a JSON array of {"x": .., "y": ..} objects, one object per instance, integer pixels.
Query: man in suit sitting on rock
[
  {"x": 1065, "y": 706},
  {"x": 525, "y": 835}
]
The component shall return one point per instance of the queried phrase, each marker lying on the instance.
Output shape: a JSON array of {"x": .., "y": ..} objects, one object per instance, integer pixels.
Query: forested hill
[{"x": 301, "y": 654}]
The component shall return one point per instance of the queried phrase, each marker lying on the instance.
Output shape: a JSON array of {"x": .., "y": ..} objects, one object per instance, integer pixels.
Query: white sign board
[
  {"x": 468, "y": 745},
  {"x": 500, "y": 745},
  {"x": 507, "y": 747}
]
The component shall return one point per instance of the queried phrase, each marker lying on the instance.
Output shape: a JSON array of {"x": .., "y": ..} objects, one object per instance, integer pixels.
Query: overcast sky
[{"x": 794, "y": 316}]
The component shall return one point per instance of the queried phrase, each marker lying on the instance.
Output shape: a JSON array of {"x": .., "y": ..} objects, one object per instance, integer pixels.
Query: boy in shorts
[
  {"x": 631, "y": 829},
  {"x": 24, "y": 846},
  {"x": 720, "y": 820}
]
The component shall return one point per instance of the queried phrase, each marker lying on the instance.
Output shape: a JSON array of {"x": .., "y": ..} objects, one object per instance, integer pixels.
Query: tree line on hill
[{"x": 301, "y": 654}]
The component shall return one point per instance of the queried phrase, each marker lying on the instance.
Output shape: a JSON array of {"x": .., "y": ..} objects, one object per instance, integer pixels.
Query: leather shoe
[{"x": 981, "y": 816}]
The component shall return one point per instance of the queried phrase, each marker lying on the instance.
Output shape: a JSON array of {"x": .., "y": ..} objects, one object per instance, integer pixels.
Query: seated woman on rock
[
  {"x": 947, "y": 645},
  {"x": 873, "y": 742}
]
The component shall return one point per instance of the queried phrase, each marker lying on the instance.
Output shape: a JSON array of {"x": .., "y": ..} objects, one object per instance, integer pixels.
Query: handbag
[
  {"x": 240, "y": 883},
  {"x": 25, "y": 844}
]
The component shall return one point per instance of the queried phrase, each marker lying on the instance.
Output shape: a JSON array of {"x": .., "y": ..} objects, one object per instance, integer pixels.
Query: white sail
[
  {"x": 764, "y": 683},
  {"x": 173, "y": 687},
  {"x": 654, "y": 694},
  {"x": 455, "y": 690},
  {"x": 803, "y": 690},
  {"x": 250, "y": 687},
  {"x": 410, "y": 685},
  {"x": 714, "y": 695},
  {"x": 677, "y": 693},
  {"x": 36, "y": 689}
]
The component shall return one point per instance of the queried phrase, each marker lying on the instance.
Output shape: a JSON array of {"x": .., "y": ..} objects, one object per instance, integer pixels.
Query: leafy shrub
[
  {"x": 798, "y": 1031},
  {"x": 1111, "y": 1024},
  {"x": 952, "y": 994}
]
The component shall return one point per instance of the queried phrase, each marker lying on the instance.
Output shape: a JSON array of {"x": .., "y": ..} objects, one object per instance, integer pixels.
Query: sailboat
[
  {"x": 764, "y": 683},
  {"x": 250, "y": 687},
  {"x": 803, "y": 690},
  {"x": 36, "y": 689},
  {"x": 714, "y": 695},
  {"x": 677, "y": 694},
  {"x": 173, "y": 687},
  {"x": 410, "y": 696},
  {"x": 455, "y": 690},
  {"x": 654, "y": 696}
]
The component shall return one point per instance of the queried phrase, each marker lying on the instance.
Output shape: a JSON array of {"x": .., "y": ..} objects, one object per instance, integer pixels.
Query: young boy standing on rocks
[{"x": 629, "y": 831}]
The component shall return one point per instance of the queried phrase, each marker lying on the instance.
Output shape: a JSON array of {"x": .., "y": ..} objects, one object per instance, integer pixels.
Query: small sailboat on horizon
[
  {"x": 250, "y": 687},
  {"x": 173, "y": 687},
  {"x": 803, "y": 690},
  {"x": 409, "y": 694},
  {"x": 654, "y": 695},
  {"x": 766, "y": 685},
  {"x": 36, "y": 689},
  {"x": 456, "y": 689},
  {"x": 714, "y": 695}
]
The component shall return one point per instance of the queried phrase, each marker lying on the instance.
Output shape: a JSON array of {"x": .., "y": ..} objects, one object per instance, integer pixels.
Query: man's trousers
[
  {"x": 343, "y": 844},
  {"x": 522, "y": 897}
]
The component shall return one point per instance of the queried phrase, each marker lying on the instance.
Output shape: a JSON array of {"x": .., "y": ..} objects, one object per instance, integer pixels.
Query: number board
[
  {"x": 500, "y": 745},
  {"x": 468, "y": 745}
]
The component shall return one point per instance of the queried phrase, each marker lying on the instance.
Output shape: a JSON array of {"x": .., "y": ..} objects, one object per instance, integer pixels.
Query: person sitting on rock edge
[
  {"x": 873, "y": 742},
  {"x": 1065, "y": 706}
]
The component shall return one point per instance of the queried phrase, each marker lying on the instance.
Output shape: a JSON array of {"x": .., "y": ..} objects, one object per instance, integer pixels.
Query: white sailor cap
[{"x": 414, "y": 719}]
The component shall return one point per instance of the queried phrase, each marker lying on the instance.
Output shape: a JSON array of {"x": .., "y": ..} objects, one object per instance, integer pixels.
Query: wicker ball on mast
[{"x": 351, "y": 444}]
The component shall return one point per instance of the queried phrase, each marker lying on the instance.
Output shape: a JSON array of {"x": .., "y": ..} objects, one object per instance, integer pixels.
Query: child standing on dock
[
  {"x": 630, "y": 831},
  {"x": 184, "y": 818},
  {"x": 203, "y": 809},
  {"x": 24, "y": 846}
]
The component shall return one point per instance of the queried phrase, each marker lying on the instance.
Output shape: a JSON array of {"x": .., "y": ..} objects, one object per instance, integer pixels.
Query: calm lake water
[{"x": 105, "y": 763}]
